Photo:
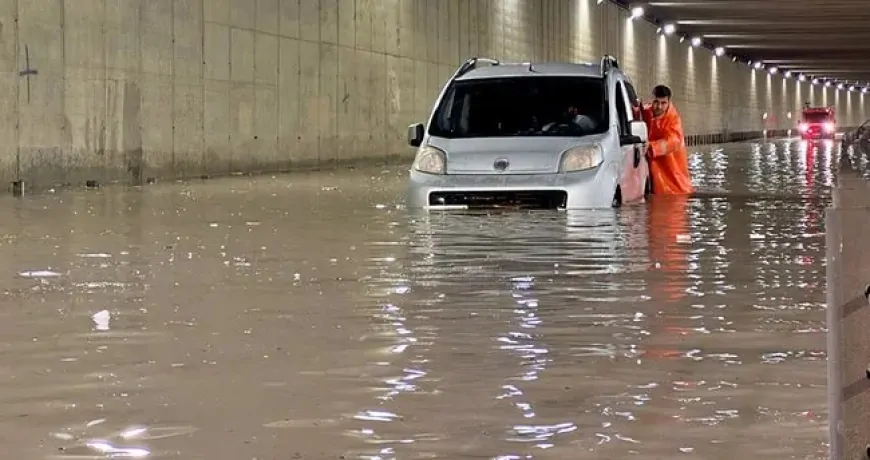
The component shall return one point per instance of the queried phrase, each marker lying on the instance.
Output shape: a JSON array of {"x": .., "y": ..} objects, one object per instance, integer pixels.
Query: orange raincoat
[{"x": 668, "y": 160}]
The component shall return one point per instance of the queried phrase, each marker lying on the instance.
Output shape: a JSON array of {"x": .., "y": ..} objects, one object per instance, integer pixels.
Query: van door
[
  {"x": 635, "y": 113},
  {"x": 634, "y": 170}
]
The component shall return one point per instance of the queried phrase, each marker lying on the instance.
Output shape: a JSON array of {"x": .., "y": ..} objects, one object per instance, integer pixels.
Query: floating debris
[
  {"x": 39, "y": 274},
  {"x": 101, "y": 320}
]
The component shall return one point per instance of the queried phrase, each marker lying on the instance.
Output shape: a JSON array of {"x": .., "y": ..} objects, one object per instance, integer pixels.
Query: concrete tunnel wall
[{"x": 133, "y": 89}]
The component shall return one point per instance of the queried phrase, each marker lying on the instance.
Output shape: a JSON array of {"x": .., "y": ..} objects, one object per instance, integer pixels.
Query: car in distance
[
  {"x": 551, "y": 135},
  {"x": 818, "y": 123}
]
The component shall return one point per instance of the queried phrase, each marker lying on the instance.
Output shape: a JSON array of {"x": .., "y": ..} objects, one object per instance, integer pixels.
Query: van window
[
  {"x": 622, "y": 110},
  {"x": 522, "y": 106},
  {"x": 632, "y": 98}
]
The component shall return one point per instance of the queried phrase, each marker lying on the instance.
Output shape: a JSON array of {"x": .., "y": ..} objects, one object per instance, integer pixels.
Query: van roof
[{"x": 517, "y": 69}]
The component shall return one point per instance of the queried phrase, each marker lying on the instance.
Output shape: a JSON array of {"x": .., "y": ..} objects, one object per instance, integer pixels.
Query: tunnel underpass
[
  {"x": 140, "y": 91},
  {"x": 154, "y": 312}
]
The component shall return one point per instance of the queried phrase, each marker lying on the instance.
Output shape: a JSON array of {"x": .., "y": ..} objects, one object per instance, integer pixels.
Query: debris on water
[
  {"x": 39, "y": 274},
  {"x": 63, "y": 436},
  {"x": 297, "y": 277},
  {"x": 241, "y": 262},
  {"x": 213, "y": 224},
  {"x": 684, "y": 238},
  {"x": 756, "y": 236},
  {"x": 95, "y": 256},
  {"x": 380, "y": 206},
  {"x": 101, "y": 320},
  {"x": 329, "y": 188},
  {"x": 658, "y": 265},
  {"x": 252, "y": 224}
]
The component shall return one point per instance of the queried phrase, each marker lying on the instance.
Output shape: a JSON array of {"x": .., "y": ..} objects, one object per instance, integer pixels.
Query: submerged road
[{"x": 311, "y": 316}]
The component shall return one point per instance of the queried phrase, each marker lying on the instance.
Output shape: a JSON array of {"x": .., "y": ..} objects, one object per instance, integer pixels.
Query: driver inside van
[{"x": 572, "y": 116}]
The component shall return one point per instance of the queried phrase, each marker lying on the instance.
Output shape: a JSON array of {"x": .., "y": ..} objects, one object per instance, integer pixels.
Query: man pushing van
[{"x": 668, "y": 159}]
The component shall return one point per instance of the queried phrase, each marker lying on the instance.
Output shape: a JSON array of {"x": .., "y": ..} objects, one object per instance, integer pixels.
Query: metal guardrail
[{"x": 848, "y": 313}]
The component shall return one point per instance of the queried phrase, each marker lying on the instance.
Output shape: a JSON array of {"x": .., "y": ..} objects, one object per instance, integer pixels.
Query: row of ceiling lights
[{"x": 670, "y": 29}]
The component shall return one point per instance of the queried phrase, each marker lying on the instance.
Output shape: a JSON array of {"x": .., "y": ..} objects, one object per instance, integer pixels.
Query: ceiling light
[
  {"x": 828, "y": 83},
  {"x": 670, "y": 29},
  {"x": 840, "y": 86},
  {"x": 682, "y": 39},
  {"x": 600, "y": 1},
  {"x": 802, "y": 77},
  {"x": 734, "y": 59},
  {"x": 815, "y": 81},
  {"x": 864, "y": 90},
  {"x": 758, "y": 65},
  {"x": 636, "y": 12},
  {"x": 696, "y": 41},
  {"x": 773, "y": 70},
  {"x": 720, "y": 51},
  {"x": 788, "y": 74}
]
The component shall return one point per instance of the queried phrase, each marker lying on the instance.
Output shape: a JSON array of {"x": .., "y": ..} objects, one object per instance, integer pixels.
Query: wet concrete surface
[{"x": 311, "y": 316}]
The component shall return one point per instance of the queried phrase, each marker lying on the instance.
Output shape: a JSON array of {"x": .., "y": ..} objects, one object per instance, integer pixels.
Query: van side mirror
[
  {"x": 415, "y": 134},
  {"x": 637, "y": 134}
]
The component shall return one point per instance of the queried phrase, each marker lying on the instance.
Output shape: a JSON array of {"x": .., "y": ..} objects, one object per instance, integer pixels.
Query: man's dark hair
[{"x": 662, "y": 91}]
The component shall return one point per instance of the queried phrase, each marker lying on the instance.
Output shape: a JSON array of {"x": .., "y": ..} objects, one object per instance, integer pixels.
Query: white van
[{"x": 554, "y": 135}]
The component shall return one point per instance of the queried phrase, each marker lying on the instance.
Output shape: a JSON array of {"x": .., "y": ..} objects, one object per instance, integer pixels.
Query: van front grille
[{"x": 537, "y": 199}]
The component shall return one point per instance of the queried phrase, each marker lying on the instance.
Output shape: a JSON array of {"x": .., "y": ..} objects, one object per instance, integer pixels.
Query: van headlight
[
  {"x": 430, "y": 160},
  {"x": 581, "y": 158}
]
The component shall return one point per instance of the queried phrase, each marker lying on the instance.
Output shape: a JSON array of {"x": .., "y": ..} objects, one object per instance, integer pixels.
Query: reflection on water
[{"x": 311, "y": 316}]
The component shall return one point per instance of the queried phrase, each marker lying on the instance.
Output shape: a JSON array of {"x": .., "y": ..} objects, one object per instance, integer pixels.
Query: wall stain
[{"x": 130, "y": 122}]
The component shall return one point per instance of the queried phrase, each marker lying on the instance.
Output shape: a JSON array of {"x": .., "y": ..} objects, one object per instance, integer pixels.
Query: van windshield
[{"x": 522, "y": 106}]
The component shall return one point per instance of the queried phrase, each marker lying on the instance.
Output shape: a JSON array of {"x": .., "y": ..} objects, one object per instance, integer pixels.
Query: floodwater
[{"x": 310, "y": 316}]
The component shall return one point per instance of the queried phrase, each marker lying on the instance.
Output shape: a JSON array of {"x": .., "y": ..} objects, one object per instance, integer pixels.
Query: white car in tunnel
[{"x": 555, "y": 135}]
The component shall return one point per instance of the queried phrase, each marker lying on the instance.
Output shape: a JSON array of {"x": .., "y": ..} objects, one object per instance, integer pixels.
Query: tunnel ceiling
[{"x": 824, "y": 39}]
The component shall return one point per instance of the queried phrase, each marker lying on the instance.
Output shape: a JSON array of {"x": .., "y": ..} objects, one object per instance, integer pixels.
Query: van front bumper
[{"x": 593, "y": 188}]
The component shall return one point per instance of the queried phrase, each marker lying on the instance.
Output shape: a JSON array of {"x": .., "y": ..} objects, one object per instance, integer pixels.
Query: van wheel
[
  {"x": 647, "y": 189},
  {"x": 617, "y": 197}
]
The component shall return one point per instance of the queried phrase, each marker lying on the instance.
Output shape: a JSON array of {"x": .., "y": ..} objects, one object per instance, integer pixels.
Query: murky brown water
[{"x": 310, "y": 316}]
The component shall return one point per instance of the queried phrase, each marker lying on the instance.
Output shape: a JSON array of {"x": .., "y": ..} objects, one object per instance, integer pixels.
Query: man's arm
[{"x": 671, "y": 137}]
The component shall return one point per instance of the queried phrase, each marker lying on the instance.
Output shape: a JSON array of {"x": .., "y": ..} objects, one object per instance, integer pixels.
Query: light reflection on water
[{"x": 310, "y": 316}]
